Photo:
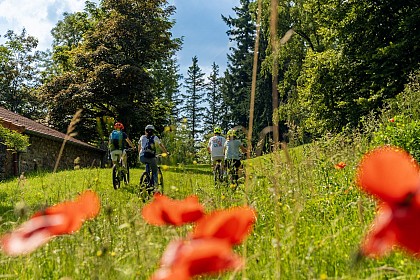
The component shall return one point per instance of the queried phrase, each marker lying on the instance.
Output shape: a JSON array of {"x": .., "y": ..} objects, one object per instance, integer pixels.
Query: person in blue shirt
[{"x": 116, "y": 144}]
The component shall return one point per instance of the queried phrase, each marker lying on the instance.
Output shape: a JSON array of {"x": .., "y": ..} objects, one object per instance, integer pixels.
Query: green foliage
[
  {"x": 20, "y": 74},
  {"x": 13, "y": 140},
  {"x": 407, "y": 103},
  {"x": 109, "y": 71},
  {"x": 343, "y": 61},
  {"x": 179, "y": 143},
  {"x": 400, "y": 125},
  {"x": 316, "y": 105},
  {"x": 400, "y": 132},
  {"x": 166, "y": 84}
]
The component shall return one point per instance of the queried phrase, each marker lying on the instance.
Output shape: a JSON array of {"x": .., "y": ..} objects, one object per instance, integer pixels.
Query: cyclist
[
  {"x": 147, "y": 150},
  {"x": 232, "y": 149},
  {"x": 116, "y": 144},
  {"x": 215, "y": 147}
]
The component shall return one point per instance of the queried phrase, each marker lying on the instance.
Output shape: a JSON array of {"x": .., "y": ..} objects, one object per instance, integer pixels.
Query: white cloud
[{"x": 38, "y": 17}]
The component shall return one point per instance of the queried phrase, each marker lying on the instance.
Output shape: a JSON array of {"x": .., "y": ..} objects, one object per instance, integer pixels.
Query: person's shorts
[
  {"x": 216, "y": 158},
  {"x": 116, "y": 155}
]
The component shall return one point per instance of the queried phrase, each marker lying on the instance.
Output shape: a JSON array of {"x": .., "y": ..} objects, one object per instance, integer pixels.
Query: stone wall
[
  {"x": 42, "y": 155},
  {"x": 6, "y": 162}
]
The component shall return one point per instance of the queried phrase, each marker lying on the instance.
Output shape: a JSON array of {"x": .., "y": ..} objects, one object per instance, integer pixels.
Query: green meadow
[{"x": 311, "y": 220}]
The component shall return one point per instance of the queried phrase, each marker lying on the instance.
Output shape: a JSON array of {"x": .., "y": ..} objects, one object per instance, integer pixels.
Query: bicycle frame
[
  {"x": 119, "y": 172},
  {"x": 232, "y": 173},
  {"x": 146, "y": 181},
  {"x": 218, "y": 170}
]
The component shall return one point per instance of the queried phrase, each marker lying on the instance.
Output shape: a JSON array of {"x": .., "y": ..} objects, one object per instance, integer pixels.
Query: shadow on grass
[{"x": 194, "y": 169}]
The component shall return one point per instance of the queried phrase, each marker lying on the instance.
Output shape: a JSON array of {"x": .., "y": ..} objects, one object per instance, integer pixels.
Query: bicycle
[
  {"x": 147, "y": 189},
  {"x": 218, "y": 172},
  {"x": 121, "y": 173},
  {"x": 231, "y": 173}
]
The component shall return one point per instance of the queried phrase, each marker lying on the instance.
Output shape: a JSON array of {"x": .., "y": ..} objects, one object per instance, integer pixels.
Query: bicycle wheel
[
  {"x": 115, "y": 177},
  {"x": 221, "y": 175},
  {"x": 216, "y": 173},
  {"x": 127, "y": 175},
  {"x": 234, "y": 181},
  {"x": 159, "y": 187},
  {"x": 232, "y": 177},
  {"x": 144, "y": 185},
  {"x": 144, "y": 180}
]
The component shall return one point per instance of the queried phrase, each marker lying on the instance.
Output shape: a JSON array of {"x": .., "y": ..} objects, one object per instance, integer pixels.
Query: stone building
[{"x": 44, "y": 149}]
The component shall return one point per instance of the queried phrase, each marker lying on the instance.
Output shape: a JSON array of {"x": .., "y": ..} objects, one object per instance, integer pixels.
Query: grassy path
[{"x": 311, "y": 219}]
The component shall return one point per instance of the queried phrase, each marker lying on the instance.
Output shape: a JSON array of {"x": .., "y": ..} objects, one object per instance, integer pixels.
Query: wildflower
[
  {"x": 63, "y": 218},
  {"x": 194, "y": 162},
  {"x": 393, "y": 226},
  {"x": 389, "y": 173},
  {"x": 392, "y": 175},
  {"x": 232, "y": 224},
  {"x": 391, "y": 120},
  {"x": 163, "y": 210},
  {"x": 381, "y": 236},
  {"x": 340, "y": 165},
  {"x": 184, "y": 259}
]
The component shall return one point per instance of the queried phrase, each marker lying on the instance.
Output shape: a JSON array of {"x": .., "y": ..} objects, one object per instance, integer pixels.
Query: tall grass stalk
[{"x": 70, "y": 133}]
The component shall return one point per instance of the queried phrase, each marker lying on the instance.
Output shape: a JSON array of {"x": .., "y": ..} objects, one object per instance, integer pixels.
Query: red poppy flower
[
  {"x": 232, "y": 225},
  {"x": 382, "y": 235},
  {"x": 163, "y": 210},
  {"x": 391, "y": 120},
  {"x": 63, "y": 218},
  {"x": 340, "y": 165},
  {"x": 185, "y": 259},
  {"x": 389, "y": 173},
  {"x": 394, "y": 225}
]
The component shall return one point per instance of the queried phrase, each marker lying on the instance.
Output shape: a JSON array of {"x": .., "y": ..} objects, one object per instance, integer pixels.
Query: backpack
[
  {"x": 116, "y": 140},
  {"x": 150, "y": 148}
]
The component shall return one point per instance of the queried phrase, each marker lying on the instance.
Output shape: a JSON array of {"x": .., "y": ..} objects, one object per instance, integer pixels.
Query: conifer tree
[
  {"x": 242, "y": 32},
  {"x": 193, "y": 98},
  {"x": 213, "y": 116},
  {"x": 237, "y": 80}
]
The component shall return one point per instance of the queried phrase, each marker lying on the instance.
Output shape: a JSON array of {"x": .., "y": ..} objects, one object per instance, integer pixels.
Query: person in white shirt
[{"x": 215, "y": 147}]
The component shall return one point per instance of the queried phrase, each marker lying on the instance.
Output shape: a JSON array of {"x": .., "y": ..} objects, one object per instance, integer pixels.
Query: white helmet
[{"x": 150, "y": 127}]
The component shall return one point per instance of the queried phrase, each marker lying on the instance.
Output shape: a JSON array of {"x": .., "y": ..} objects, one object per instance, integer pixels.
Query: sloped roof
[{"x": 17, "y": 122}]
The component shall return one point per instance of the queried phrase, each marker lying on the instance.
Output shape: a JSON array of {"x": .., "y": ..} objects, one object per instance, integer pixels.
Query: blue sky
[
  {"x": 199, "y": 22},
  {"x": 204, "y": 32}
]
